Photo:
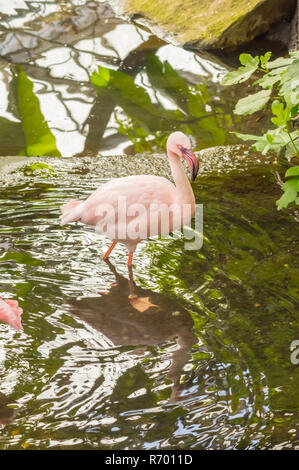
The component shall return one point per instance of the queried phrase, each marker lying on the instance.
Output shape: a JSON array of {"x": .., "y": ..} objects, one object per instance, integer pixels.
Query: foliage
[
  {"x": 146, "y": 122},
  {"x": 249, "y": 65},
  {"x": 30, "y": 131},
  {"x": 290, "y": 187},
  {"x": 282, "y": 77},
  {"x": 39, "y": 139},
  {"x": 38, "y": 168}
]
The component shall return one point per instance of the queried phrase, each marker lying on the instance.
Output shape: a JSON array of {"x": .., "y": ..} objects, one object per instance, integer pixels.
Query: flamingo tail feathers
[{"x": 71, "y": 212}]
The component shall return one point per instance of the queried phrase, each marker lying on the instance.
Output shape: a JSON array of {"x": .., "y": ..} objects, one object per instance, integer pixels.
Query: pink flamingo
[
  {"x": 130, "y": 209},
  {"x": 10, "y": 313}
]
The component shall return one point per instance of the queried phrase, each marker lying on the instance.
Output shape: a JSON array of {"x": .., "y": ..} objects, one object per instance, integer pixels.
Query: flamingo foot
[{"x": 109, "y": 249}]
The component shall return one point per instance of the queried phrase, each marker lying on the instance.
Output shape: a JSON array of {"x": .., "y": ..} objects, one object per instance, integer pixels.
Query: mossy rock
[
  {"x": 215, "y": 161},
  {"x": 209, "y": 25}
]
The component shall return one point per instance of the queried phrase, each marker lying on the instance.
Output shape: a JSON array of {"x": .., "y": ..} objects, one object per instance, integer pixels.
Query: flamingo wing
[{"x": 143, "y": 190}]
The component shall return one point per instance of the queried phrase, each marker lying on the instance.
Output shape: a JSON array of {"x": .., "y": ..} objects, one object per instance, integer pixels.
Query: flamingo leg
[
  {"x": 130, "y": 259},
  {"x": 131, "y": 283},
  {"x": 109, "y": 249}
]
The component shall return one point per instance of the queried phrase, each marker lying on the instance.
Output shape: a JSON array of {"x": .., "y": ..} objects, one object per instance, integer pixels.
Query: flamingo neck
[{"x": 184, "y": 190}]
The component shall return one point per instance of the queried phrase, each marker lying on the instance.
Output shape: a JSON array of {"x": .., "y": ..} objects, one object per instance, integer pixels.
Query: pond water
[{"x": 202, "y": 360}]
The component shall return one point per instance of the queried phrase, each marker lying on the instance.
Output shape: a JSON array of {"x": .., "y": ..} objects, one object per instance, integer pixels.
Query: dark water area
[{"x": 202, "y": 358}]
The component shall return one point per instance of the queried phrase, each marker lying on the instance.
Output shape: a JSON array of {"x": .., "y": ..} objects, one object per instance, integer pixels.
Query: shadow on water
[{"x": 201, "y": 358}]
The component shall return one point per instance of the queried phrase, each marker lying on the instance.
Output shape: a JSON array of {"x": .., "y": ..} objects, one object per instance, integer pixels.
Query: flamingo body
[{"x": 124, "y": 207}]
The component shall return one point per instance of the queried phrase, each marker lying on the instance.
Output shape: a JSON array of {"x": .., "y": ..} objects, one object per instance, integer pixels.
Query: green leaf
[
  {"x": 280, "y": 62},
  {"x": 290, "y": 150},
  {"x": 291, "y": 97},
  {"x": 282, "y": 114},
  {"x": 295, "y": 134},
  {"x": 290, "y": 83},
  {"x": 290, "y": 188},
  {"x": 279, "y": 71},
  {"x": 204, "y": 91},
  {"x": 43, "y": 167},
  {"x": 247, "y": 137},
  {"x": 39, "y": 139},
  {"x": 250, "y": 64},
  {"x": 101, "y": 78},
  {"x": 293, "y": 171},
  {"x": 271, "y": 140},
  {"x": 267, "y": 81},
  {"x": 265, "y": 59},
  {"x": 252, "y": 103}
]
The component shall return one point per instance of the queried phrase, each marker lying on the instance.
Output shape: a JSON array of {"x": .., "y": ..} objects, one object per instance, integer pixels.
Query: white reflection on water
[
  {"x": 186, "y": 61},
  {"x": 60, "y": 47},
  {"x": 9, "y": 7},
  {"x": 131, "y": 36}
]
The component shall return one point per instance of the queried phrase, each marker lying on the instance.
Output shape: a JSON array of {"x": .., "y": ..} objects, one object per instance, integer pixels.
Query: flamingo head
[{"x": 180, "y": 144}]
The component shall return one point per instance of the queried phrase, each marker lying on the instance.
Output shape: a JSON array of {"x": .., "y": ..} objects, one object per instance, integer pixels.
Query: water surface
[{"x": 202, "y": 360}]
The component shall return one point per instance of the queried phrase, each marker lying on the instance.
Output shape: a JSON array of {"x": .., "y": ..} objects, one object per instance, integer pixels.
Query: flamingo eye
[{"x": 184, "y": 150}]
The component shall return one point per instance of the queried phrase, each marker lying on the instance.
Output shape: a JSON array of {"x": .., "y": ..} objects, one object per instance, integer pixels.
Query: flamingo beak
[{"x": 191, "y": 159}]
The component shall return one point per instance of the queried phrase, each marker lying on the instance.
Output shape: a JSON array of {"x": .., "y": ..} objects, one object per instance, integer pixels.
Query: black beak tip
[{"x": 195, "y": 172}]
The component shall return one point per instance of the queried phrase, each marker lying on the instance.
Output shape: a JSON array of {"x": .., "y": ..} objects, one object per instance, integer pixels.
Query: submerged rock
[
  {"x": 220, "y": 160},
  {"x": 216, "y": 24}
]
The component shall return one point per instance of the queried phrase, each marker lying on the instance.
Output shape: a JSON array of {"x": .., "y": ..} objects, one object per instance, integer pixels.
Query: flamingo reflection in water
[{"x": 143, "y": 319}]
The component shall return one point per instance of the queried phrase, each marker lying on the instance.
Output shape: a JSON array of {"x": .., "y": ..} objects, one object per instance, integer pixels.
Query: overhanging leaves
[
  {"x": 280, "y": 62},
  {"x": 39, "y": 139},
  {"x": 267, "y": 81},
  {"x": 252, "y": 103},
  {"x": 293, "y": 171},
  {"x": 290, "y": 188},
  {"x": 271, "y": 140},
  {"x": 250, "y": 64},
  {"x": 132, "y": 98},
  {"x": 282, "y": 114},
  {"x": 290, "y": 83},
  {"x": 146, "y": 117},
  {"x": 265, "y": 59}
]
